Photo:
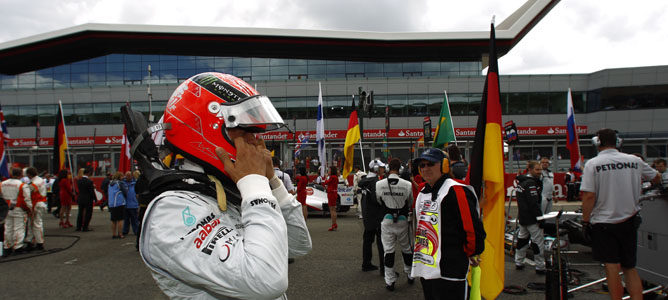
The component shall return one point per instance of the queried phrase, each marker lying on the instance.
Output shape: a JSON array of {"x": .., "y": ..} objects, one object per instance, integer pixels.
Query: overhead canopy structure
[{"x": 94, "y": 40}]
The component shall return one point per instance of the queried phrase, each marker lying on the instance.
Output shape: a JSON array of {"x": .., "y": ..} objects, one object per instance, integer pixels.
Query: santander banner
[
  {"x": 409, "y": 133},
  {"x": 417, "y": 133}
]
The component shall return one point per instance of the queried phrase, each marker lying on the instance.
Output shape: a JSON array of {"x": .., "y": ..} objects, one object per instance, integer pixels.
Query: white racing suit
[
  {"x": 35, "y": 227},
  {"x": 15, "y": 229},
  {"x": 197, "y": 251},
  {"x": 395, "y": 194}
]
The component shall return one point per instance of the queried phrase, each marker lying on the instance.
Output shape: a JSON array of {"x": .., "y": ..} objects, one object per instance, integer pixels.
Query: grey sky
[{"x": 577, "y": 36}]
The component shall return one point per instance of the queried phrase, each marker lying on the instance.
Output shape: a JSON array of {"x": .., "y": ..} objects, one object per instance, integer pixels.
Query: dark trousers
[
  {"x": 434, "y": 289},
  {"x": 131, "y": 218},
  {"x": 84, "y": 215},
  {"x": 571, "y": 192},
  {"x": 367, "y": 252}
]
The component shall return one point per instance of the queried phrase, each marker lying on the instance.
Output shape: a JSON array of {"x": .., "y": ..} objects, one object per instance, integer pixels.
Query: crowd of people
[
  {"x": 30, "y": 197},
  {"x": 225, "y": 220}
]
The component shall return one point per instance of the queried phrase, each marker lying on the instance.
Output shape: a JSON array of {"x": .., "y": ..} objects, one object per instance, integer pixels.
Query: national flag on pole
[
  {"x": 445, "y": 131},
  {"x": 486, "y": 175},
  {"x": 386, "y": 149},
  {"x": 320, "y": 134},
  {"x": 59, "y": 142},
  {"x": 352, "y": 137},
  {"x": 302, "y": 140},
  {"x": 38, "y": 134},
  {"x": 4, "y": 164},
  {"x": 572, "y": 141},
  {"x": 124, "y": 162}
]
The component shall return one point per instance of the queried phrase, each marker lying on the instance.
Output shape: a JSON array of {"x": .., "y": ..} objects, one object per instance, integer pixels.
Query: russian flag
[{"x": 572, "y": 143}]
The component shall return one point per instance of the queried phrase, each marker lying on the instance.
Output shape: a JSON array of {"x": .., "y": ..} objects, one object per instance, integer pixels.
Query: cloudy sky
[{"x": 577, "y": 36}]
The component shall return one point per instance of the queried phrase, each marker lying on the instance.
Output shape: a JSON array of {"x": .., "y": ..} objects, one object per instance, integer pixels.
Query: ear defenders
[
  {"x": 597, "y": 141},
  {"x": 445, "y": 165}
]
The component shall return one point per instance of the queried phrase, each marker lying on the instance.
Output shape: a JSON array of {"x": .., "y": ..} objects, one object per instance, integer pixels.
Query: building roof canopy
[{"x": 93, "y": 40}]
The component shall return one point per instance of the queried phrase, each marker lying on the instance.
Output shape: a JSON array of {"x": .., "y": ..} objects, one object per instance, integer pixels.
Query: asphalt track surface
[{"x": 92, "y": 265}]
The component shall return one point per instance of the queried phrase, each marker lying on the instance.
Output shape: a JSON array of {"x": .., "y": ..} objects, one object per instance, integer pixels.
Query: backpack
[{"x": 115, "y": 194}]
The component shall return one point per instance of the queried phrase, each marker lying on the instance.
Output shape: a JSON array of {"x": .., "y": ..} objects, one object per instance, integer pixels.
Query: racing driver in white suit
[{"x": 200, "y": 246}]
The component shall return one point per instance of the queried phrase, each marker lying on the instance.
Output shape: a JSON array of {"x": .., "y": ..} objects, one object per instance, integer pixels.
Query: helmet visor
[{"x": 255, "y": 113}]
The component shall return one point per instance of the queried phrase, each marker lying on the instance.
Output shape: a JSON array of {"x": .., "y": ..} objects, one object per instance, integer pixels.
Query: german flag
[
  {"x": 486, "y": 170},
  {"x": 59, "y": 142},
  {"x": 352, "y": 137}
]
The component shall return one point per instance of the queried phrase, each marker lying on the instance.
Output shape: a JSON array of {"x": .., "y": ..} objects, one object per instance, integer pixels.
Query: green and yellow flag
[{"x": 445, "y": 131}]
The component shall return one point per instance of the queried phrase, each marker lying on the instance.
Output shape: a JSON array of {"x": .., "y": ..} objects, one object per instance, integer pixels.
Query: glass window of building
[
  {"x": 656, "y": 151},
  {"x": 42, "y": 162},
  {"x": 28, "y": 115},
  {"x": 557, "y": 103},
  {"x": 418, "y": 105},
  {"x": 11, "y": 114},
  {"x": 538, "y": 103},
  {"x": 397, "y": 104},
  {"x": 47, "y": 114},
  {"x": 517, "y": 104},
  {"x": 474, "y": 103},
  {"x": 27, "y": 80},
  {"x": 336, "y": 106}
]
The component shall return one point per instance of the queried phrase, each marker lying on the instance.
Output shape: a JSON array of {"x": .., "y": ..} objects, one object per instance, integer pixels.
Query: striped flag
[
  {"x": 124, "y": 162},
  {"x": 320, "y": 134},
  {"x": 572, "y": 141},
  {"x": 4, "y": 165},
  {"x": 352, "y": 137},
  {"x": 302, "y": 141},
  {"x": 59, "y": 142},
  {"x": 487, "y": 170}
]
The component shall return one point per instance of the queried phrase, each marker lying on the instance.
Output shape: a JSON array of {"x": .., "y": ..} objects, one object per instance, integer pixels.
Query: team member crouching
[
  {"x": 450, "y": 234},
  {"x": 231, "y": 241},
  {"x": 17, "y": 216},
  {"x": 396, "y": 195}
]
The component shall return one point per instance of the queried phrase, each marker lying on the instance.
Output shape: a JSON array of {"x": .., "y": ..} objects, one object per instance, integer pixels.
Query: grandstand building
[{"x": 94, "y": 69}]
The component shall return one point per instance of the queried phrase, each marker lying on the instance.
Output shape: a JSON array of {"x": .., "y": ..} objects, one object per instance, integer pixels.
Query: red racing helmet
[{"x": 204, "y": 106}]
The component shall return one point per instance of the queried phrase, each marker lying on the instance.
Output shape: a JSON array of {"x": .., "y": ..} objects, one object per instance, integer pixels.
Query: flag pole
[
  {"x": 93, "y": 151},
  {"x": 450, "y": 118},
  {"x": 362, "y": 155},
  {"x": 67, "y": 148}
]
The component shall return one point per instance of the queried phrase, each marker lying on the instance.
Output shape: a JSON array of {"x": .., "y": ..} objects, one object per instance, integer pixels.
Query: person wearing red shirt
[
  {"x": 332, "y": 184},
  {"x": 302, "y": 180},
  {"x": 66, "y": 195}
]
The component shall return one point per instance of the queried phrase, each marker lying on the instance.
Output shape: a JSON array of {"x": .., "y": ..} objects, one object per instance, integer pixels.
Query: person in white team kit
[
  {"x": 611, "y": 188},
  {"x": 229, "y": 236},
  {"x": 547, "y": 193},
  {"x": 36, "y": 191},
  {"x": 17, "y": 216},
  {"x": 395, "y": 195}
]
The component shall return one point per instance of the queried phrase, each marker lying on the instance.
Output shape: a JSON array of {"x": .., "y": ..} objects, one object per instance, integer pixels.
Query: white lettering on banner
[
  {"x": 527, "y": 131},
  {"x": 374, "y": 134},
  {"x": 86, "y": 141},
  {"x": 409, "y": 133},
  {"x": 464, "y": 132}
]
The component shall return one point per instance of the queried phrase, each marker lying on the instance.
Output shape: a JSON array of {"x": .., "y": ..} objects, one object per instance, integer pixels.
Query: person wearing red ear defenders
[{"x": 450, "y": 234}]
